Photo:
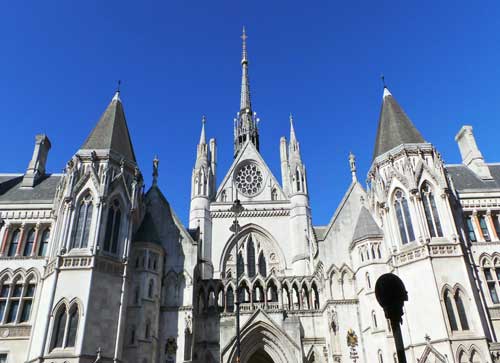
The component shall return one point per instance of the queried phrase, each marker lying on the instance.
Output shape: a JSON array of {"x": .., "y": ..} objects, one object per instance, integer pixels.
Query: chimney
[
  {"x": 471, "y": 155},
  {"x": 36, "y": 167}
]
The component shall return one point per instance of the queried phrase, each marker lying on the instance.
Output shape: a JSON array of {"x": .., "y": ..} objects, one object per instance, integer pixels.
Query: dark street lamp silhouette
[
  {"x": 237, "y": 208},
  {"x": 391, "y": 295}
]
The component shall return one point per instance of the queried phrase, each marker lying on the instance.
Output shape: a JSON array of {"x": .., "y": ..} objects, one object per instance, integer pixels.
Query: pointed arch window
[
  {"x": 240, "y": 265},
  {"x": 14, "y": 242},
  {"x": 230, "y": 300},
  {"x": 72, "y": 327},
  {"x": 272, "y": 292},
  {"x": 16, "y": 300},
  {"x": 492, "y": 276},
  {"x": 83, "y": 220},
  {"x": 60, "y": 326},
  {"x": 30, "y": 241},
  {"x": 274, "y": 194},
  {"x": 250, "y": 257},
  {"x": 315, "y": 296},
  {"x": 462, "y": 315},
  {"x": 298, "y": 179},
  {"x": 65, "y": 327},
  {"x": 44, "y": 243},
  {"x": 403, "y": 216},
  {"x": 113, "y": 228},
  {"x": 262, "y": 265},
  {"x": 431, "y": 213},
  {"x": 449, "y": 311}
]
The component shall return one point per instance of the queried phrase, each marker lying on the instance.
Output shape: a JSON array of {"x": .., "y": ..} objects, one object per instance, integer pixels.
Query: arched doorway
[
  {"x": 262, "y": 341},
  {"x": 260, "y": 356}
]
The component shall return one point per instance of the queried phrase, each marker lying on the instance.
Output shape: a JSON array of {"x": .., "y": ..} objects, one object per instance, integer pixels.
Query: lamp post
[{"x": 237, "y": 208}]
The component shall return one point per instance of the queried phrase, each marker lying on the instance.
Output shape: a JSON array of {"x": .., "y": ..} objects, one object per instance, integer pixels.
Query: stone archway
[
  {"x": 262, "y": 341},
  {"x": 260, "y": 356}
]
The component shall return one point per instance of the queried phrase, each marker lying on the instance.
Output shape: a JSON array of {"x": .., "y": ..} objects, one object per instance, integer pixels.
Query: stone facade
[{"x": 95, "y": 269}]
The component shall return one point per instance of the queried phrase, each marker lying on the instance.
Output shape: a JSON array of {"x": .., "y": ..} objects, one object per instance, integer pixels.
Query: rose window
[{"x": 249, "y": 179}]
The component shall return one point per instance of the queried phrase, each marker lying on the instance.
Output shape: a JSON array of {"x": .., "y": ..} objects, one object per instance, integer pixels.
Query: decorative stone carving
[{"x": 249, "y": 179}]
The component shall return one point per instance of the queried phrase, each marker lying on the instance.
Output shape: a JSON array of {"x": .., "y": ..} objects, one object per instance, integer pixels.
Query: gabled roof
[
  {"x": 111, "y": 132},
  {"x": 366, "y": 226},
  {"x": 250, "y": 152},
  {"x": 394, "y": 127}
]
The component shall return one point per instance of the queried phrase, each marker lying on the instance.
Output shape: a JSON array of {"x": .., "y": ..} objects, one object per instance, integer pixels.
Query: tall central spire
[
  {"x": 245, "y": 85},
  {"x": 246, "y": 123}
]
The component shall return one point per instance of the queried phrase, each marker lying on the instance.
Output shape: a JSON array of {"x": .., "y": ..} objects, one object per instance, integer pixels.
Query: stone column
[
  {"x": 477, "y": 227},
  {"x": 491, "y": 226},
  {"x": 21, "y": 239},
  {"x": 5, "y": 240},
  {"x": 418, "y": 228},
  {"x": 34, "y": 251}
]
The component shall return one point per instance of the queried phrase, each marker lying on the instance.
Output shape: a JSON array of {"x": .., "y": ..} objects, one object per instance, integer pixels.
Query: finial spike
[
  {"x": 156, "y": 163},
  {"x": 386, "y": 90},
  {"x": 382, "y": 77},
  {"x": 116, "y": 97},
  {"x": 203, "y": 139},
  {"x": 352, "y": 164}
]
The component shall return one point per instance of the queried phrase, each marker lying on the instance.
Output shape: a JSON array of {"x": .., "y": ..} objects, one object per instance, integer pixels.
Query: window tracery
[
  {"x": 431, "y": 212},
  {"x": 403, "y": 217},
  {"x": 455, "y": 309},
  {"x": 16, "y": 300},
  {"x": 65, "y": 326},
  {"x": 83, "y": 220},
  {"x": 113, "y": 228}
]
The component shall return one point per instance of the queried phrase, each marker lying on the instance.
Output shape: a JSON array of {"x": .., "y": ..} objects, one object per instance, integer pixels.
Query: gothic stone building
[{"x": 95, "y": 269}]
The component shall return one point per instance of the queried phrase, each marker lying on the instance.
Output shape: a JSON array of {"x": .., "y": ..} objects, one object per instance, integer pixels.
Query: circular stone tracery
[{"x": 249, "y": 179}]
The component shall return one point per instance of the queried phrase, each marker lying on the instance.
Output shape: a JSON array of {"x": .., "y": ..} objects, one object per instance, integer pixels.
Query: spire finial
[
  {"x": 386, "y": 90},
  {"x": 117, "y": 93},
  {"x": 244, "y": 45},
  {"x": 203, "y": 139},
  {"x": 156, "y": 163},
  {"x": 383, "y": 80},
  {"x": 352, "y": 164}
]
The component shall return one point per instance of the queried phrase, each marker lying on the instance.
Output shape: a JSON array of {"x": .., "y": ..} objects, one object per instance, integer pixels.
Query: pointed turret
[
  {"x": 111, "y": 132},
  {"x": 202, "y": 194},
  {"x": 394, "y": 127},
  {"x": 300, "y": 213},
  {"x": 203, "y": 139},
  {"x": 246, "y": 123}
]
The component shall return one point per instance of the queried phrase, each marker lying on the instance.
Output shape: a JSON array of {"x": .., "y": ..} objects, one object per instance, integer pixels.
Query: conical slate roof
[
  {"x": 111, "y": 132},
  {"x": 147, "y": 231},
  {"x": 366, "y": 226},
  {"x": 394, "y": 127}
]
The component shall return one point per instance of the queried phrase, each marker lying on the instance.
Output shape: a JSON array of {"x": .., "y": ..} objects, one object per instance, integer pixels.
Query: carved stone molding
[{"x": 252, "y": 213}]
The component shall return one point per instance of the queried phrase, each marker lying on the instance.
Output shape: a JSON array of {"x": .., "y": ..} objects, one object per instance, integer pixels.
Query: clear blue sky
[{"x": 178, "y": 59}]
